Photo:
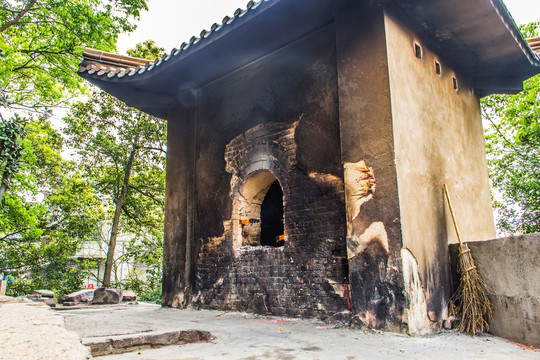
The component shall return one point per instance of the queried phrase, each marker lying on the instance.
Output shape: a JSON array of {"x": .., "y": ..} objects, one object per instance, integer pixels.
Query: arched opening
[
  {"x": 258, "y": 216},
  {"x": 272, "y": 216}
]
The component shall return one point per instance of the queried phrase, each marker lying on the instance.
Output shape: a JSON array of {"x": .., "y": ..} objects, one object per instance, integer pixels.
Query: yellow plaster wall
[{"x": 438, "y": 139}]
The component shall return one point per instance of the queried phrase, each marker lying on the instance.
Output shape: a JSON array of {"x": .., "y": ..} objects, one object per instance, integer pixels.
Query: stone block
[
  {"x": 129, "y": 295},
  {"x": 44, "y": 293},
  {"x": 49, "y": 301},
  {"x": 83, "y": 296},
  {"x": 120, "y": 344},
  {"x": 104, "y": 296}
]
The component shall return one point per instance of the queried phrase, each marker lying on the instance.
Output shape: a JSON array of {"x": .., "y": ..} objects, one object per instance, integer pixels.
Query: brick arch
[
  {"x": 248, "y": 197},
  {"x": 255, "y": 159}
]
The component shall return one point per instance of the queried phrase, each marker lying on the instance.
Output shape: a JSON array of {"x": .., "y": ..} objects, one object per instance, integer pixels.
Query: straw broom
[{"x": 470, "y": 302}]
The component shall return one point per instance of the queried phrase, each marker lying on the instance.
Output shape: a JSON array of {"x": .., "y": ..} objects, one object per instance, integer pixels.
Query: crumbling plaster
[{"x": 365, "y": 118}]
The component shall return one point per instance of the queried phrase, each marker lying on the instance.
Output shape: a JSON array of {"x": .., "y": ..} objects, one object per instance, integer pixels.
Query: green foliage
[
  {"x": 53, "y": 206},
  {"x": 530, "y": 30},
  {"x": 40, "y": 46},
  {"x": 513, "y": 151},
  {"x": 122, "y": 151},
  {"x": 147, "y": 50},
  {"x": 49, "y": 211},
  {"x": 41, "y": 42},
  {"x": 148, "y": 252},
  {"x": 11, "y": 135},
  {"x": 105, "y": 131}
]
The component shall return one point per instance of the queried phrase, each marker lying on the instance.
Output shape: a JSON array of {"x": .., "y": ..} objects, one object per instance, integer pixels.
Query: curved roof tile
[
  {"x": 139, "y": 66},
  {"x": 135, "y": 65},
  {"x": 491, "y": 51},
  {"x": 534, "y": 44}
]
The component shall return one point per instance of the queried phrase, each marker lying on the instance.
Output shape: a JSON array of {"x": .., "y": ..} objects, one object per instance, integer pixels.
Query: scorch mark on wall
[
  {"x": 375, "y": 232},
  {"x": 325, "y": 179},
  {"x": 360, "y": 186}
]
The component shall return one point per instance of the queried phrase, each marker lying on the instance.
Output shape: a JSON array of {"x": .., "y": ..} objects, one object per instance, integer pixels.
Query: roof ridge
[
  {"x": 114, "y": 59},
  {"x": 113, "y": 64}
]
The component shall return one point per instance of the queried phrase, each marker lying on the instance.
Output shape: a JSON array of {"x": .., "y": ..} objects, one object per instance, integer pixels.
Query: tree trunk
[
  {"x": 116, "y": 220},
  {"x": 3, "y": 184}
]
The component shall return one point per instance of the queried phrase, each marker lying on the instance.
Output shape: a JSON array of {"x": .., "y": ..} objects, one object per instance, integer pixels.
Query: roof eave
[{"x": 469, "y": 45}]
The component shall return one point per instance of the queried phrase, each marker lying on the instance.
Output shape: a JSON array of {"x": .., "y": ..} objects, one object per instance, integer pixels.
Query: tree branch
[
  {"x": 148, "y": 195},
  {"x": 13, "y": 233},
  {"x": 153, "y": 148},
  {"x": 138, "y": 220},
  {"x": 17, "y": 18},
  {"x": 499, "y": 131}
]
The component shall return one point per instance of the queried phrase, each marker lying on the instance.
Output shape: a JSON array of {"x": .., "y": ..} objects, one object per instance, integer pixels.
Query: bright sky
[{"x": 171, "y": 22}]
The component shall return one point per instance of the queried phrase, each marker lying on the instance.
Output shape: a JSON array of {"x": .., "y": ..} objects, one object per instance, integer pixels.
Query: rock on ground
[
  {"x": 107, "y": 296},
  {"x": 49, "y": 301},
  {"x": 83, "y": 296},
  {"x": 100, "y": 346},
  {"x": 128, "y": 295},
  {"x": 43, "y": 293},
  {"x": 44, "y": 296},
  {"x": 32, "y": 331}
]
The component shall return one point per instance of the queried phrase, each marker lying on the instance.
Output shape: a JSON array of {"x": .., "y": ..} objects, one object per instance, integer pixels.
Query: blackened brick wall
[
  {"x": 279, "y": 115},
  {"x": 306, "y": 277}
]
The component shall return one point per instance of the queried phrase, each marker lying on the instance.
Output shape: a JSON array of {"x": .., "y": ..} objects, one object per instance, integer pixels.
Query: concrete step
[{"x": 119, "y": 344}]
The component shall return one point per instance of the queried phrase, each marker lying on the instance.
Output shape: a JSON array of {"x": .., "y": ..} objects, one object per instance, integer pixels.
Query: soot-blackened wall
[{"x": 275, "y": 119}]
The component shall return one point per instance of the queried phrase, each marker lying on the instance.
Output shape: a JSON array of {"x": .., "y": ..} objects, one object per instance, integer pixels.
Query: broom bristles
[{"x": 470, "y": 302}]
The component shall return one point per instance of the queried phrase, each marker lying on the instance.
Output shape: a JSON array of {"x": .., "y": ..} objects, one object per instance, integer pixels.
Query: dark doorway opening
[{"x": 272, "y": 216}]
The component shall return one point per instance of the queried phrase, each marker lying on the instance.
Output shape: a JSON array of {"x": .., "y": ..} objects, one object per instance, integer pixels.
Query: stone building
[{"x": 308, "y": 145}]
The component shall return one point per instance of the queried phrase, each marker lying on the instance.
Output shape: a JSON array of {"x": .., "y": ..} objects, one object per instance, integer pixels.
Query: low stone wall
[{"x": 510, "y": 269}]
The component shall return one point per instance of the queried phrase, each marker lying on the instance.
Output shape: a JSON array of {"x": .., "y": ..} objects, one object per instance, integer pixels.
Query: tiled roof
[
  {"x": 491, "y": 52},
  {"x": 113, "y": 65},
  {"x": 534, "y": 43},
  {"x": 101, "y": 62}
]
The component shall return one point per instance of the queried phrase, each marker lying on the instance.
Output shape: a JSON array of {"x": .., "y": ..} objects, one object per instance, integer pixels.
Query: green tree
[
  {"x": 40, "y": 46},
  {"x": 43, "y": 220},
  {"x": 11, "y": 134},
  {"x": 147, "y": 50},
  {"x": 147, "y": 251},
  {"x": 41, "y": 42},
  {"x": 123, "y": 153},
  {"x": 513, "y": 152}
]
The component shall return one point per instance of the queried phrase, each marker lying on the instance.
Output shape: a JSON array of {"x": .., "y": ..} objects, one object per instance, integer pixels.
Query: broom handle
[{"x": 452, "y": 213}]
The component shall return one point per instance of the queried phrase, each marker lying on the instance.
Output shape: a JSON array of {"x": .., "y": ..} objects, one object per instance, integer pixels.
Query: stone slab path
[{"x": 250, "y": 337}]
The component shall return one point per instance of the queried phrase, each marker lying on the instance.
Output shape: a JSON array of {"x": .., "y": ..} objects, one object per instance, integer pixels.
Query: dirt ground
[
  {"x": 246, "y": 336},
  {"x": 32, "y": 331}
]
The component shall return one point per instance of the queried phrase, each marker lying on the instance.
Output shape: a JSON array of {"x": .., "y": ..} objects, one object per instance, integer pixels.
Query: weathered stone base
[{"x": 120, "y": 344}]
